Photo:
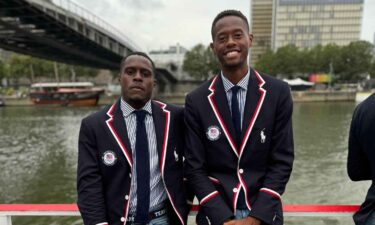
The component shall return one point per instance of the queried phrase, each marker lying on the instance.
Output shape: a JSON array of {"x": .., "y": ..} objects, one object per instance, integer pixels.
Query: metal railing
[
  {"x": 9, "y": 210},
  {"x": 72, "y": 8}
]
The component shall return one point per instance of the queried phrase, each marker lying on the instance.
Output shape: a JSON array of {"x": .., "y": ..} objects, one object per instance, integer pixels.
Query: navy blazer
[
  {"x": 361, "y": 157},
  {"x": 104, "y": 188},
  {"x": 217, "y": 169}
]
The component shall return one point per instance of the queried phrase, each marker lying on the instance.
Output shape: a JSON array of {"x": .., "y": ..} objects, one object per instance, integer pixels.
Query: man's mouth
[
  {"x": 232, "y": 53},
  {"x": 137, "y": 88}
]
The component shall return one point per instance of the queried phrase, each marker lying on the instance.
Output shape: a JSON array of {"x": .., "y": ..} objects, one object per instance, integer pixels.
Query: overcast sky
[{"x": 158, "y": 24}]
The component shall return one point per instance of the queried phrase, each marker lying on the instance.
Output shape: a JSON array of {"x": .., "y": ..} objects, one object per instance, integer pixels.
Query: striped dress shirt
[
  {"x": 157, "y": 190},
  {"x": 241, "y": 94}
]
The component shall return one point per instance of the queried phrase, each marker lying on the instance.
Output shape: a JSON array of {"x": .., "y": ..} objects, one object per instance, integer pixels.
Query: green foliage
[
  {"x": 200, "y": 62},
  {"x": 3, "y": 71},
  {"x": 372, "y": 69},
  {"x": 267, "y": 63},
  {"x": 21, "y": 66},
  {"x": 355, "y": 61},
  {"x": 348, "y": 63}
]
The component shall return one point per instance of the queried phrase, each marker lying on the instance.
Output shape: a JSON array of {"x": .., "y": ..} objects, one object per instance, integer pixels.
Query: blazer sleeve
[
  {"x": 89, "y": 180},
  {"x": 358, "y": 165},
  {"x": 213, "y": 206},
  {"x": 268, "y": 201}
]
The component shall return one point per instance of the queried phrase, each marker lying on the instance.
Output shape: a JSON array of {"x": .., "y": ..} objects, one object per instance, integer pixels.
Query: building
[
  {"x": 304, "y": 23},
  {"x": 261, "y": 21},
  {"x": 175, "y": 54},
  {"x": 172, "y": 58}
]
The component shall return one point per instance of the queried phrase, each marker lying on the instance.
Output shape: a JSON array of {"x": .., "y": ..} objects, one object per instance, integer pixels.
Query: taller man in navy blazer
[
  {"x": 130, "y": 156},
  {"x": 239, "y": 135}
]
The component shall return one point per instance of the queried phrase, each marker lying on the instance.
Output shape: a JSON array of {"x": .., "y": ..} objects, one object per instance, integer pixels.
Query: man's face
[
  {"x": 137, "y": 80},
  {"x": 231, "y": 42}
]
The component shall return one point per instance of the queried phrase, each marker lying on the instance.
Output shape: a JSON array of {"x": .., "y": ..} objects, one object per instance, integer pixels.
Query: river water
[{"x": 38, "y": 159}]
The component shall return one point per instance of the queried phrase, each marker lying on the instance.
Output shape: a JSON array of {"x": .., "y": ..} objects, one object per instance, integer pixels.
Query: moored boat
[{"x": 65, "y": 93}]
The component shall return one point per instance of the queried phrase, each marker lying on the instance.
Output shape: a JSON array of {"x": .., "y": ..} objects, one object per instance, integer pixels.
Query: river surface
[{"x": 38, "y": 159}]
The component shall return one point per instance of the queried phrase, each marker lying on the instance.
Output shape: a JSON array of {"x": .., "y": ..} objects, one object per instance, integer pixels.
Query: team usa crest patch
[
  {"x": 109, "y": 158},
  {"x": 213, "y": 133}
]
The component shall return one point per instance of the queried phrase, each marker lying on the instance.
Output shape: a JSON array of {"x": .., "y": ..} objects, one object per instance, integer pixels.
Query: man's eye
[
  {"x": 221, "y": 38},
  {"x": 129, "y": 72},
  {"x": 146, "y": 73}
]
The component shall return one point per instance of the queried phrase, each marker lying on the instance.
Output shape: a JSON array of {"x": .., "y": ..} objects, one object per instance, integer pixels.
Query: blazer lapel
[
  {"x": 159, "y": 120},
  {"x": 117, "y": 126},
  {"x": 254, "y": 100},
  {"x": 162, "y": 118},
  {"x": 219, "y": 104}
]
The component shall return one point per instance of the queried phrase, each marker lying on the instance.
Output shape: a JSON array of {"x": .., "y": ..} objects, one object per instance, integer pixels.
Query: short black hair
[
  {"x": 140, "y": 54},
  {"x": 229, "y": 12}
]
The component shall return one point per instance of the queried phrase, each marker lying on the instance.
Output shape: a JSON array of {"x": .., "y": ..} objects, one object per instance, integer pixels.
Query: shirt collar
[
  {"x": 127, "y": 109},
  {"x": 242, "y": 83}
]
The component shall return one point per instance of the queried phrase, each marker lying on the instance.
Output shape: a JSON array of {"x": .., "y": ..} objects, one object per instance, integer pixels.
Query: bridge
[{"x": 62, "y": 31}]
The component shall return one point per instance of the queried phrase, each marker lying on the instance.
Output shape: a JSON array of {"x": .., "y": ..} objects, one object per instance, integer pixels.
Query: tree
[
  {"x": 18, "y": 66},
  {"x": 266, "y": 63},
  {"x": 349, "y": 63},
  {"x": 287, "y": 60},
  {"x": 354, "y": 61},
  {"x": 200, "y": 62},
  {"x": 2, "y": 70},
  {"x": 372, "y": 69}
]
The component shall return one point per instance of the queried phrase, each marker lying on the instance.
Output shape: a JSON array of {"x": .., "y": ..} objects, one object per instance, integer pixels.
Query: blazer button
[
  {"x": 126, "y": 197},
  {"x": 235, "y": 190},
  {"x": 241, "y": 171},
  {"x": 130, "y": 175},
  {"x": 122, "y": 219}
]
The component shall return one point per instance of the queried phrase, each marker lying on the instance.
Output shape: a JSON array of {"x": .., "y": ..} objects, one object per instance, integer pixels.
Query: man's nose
[
  {"x": 231, "y": 41},
  {"x": 138, "y": 75}
]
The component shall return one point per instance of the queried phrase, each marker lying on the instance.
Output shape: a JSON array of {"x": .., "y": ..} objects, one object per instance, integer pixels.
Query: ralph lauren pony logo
[{"x": 262, "y": 136}]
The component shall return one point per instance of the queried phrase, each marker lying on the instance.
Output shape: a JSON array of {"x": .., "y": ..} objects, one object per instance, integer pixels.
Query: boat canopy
[
  {"x": 298, "y": 81},
  {"x": 62, "y": 84}
]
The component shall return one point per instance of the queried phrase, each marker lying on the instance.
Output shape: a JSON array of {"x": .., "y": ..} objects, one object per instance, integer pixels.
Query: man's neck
[
  {"x": 136, "y": 104},
  {"x": 235, "y": 75}
]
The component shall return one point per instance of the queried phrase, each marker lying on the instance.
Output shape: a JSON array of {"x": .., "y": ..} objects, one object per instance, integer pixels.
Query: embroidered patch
[
  {"x": 109, "y": 158},
  {"x": 262, "y": 136},
  {"x": 213, "y": 133}
]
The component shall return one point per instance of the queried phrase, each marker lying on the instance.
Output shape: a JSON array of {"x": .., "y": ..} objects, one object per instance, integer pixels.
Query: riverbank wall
[{"x": 179, "y": 98}]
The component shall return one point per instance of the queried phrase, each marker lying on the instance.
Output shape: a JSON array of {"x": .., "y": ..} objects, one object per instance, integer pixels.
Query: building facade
[{"x": 307, "y": 23}]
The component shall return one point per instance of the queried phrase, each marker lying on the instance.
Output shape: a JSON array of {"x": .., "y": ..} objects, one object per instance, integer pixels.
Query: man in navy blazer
[
  {"x": 107, "y": 179},
  {"x": 361, "y": 156},
  {"x": 239, "y": 135}
]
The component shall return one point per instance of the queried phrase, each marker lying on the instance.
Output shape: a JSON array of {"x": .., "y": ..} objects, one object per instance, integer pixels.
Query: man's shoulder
[{"x": 367, "y": 106}]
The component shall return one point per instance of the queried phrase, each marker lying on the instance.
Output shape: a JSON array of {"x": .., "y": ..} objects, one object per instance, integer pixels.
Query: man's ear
[
  {"x": 251, "y": 36},
  {"x": 212, "y": 47},
  {"x": 155, "y": 82}
]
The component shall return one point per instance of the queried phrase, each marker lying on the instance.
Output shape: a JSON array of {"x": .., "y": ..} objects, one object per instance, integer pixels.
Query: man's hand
[{"x": 245, "y": 221}]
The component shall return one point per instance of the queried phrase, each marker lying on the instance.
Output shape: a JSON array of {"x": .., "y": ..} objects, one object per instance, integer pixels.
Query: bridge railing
[
  {"x": 9, "y": 210},
  {"x": 74, "y": 8}
]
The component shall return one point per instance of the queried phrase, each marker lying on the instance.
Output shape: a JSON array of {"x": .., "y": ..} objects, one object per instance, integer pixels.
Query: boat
[
  {"x": 298, "y": 84},
  {"x": 65, "y": 93}
]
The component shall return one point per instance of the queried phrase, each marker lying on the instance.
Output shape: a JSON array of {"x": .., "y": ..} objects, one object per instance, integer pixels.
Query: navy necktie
[
  {"x": 142, "y": 169},
  {"x": 236, "y": 118},
  {"x": 236, "y": 115}
]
